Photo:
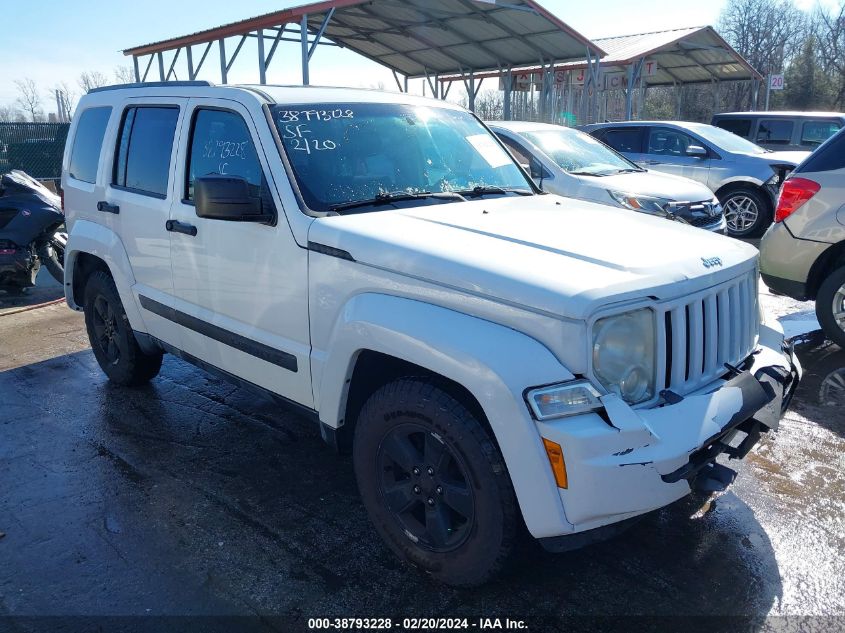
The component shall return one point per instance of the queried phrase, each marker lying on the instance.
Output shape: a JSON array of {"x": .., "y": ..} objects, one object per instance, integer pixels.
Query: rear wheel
[
  {"x": 434, "y": 483},
  {"x": 111, "y": 336},
  {"x": 746, "y": 212},
  {"x": 830, "y": 306}
]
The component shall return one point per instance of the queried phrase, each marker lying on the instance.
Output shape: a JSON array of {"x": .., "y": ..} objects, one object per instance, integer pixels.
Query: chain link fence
[{"x": 35, "y": 148}]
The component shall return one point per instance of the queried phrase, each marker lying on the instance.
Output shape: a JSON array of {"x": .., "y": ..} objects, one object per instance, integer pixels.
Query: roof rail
[{"x": 152, "y": 84}]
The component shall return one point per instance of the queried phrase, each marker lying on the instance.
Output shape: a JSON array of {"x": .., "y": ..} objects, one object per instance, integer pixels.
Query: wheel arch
[
  {"x": 93, "y": 247},
  {"x": 486, "y": 365},
  {"x": 826, "y": 263}
]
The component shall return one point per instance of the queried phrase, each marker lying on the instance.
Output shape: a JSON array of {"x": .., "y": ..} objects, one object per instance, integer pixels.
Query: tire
[
  {"x": 830, "y": 302},
  {"x": 434, "y": 483},
  {"x": 53, "y": 257},
  {"x": 111, "y": 337},
  {"x": 747, "y": 212}
]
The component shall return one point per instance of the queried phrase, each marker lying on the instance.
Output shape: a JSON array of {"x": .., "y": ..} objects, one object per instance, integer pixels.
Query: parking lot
[{"x": 193, "y": 497}]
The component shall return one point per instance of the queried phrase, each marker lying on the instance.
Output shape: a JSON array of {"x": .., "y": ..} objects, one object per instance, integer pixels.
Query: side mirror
[
  {"x": 696, "y": 151},
  {"x": 228, "y": 198}
]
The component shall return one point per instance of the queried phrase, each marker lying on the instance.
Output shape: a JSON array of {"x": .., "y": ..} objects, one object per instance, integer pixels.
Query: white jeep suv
[{"x": 490, "y": 355}]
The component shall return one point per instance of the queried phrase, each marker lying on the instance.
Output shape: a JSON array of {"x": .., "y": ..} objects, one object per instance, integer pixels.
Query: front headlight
[
  {"x": 644, "y": 204},
  {"x": 558, "y": 401},
  {"x": 624, "y": 355}
]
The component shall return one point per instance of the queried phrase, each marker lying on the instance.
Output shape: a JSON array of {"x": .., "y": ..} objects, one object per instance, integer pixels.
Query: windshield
[
  {"x": 343, "y": 154},
  {"x": 579, "y": 153},
  {"x": 725, "y": 140}
]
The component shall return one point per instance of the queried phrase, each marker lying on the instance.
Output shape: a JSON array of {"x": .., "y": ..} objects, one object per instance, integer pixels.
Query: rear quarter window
[
  {"x": 625, "y": 140},
  {"x": 87, "y": 144},
  {"x": 817, "y": 132},
  {"x": 829, "y": 157}
]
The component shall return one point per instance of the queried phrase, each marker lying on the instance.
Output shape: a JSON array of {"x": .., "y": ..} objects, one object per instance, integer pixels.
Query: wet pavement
[{"x": 194, "y": 497}]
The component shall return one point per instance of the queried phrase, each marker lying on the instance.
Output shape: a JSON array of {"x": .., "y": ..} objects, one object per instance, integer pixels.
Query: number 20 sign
[{"x": 776, "y": 82}]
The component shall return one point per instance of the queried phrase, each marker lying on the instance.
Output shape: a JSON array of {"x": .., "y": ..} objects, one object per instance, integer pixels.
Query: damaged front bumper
[{"x": 624, "y": 462}]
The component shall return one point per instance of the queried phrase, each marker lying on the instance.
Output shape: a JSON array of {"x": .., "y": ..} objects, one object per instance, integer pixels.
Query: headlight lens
[
  {"x": 636, "y": 202},
  {"x": 569, "y": 398},
  {"x": 624, "y": 355}
]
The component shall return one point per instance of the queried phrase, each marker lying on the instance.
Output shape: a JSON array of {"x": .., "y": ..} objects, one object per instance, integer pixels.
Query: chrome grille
[{"x": 703, "y": 332}]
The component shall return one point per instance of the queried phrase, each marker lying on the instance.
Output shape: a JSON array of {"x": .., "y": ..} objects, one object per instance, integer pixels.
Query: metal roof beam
[
  {"x": 320, "y": 33},
  {"x": 149, "y": 65},
  {"x": 171, "y": 70},
  {"x": 235, "y": 54},
  {"x": 202, "y": 59},
  {"x": 422, "y": 40}
]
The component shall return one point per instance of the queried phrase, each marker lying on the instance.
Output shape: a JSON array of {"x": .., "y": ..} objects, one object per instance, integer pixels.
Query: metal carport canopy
[
  {"x": 683, "y": 56},
  {"x": 418, "y": 38}
]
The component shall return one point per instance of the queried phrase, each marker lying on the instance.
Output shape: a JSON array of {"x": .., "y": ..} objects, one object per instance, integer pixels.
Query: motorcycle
[{"x": 31, "y": 232}]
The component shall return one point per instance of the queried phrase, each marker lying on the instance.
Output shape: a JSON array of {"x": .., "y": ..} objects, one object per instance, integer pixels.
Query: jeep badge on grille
[{"x": 711, "y": 262}]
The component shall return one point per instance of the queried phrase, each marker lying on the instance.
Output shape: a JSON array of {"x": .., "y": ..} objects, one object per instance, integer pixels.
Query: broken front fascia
[{"x": 624, "y": 461}]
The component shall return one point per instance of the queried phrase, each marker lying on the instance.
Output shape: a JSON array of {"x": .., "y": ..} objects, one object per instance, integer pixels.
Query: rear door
[
  {"x": 666, "y": 151},
  {"x": 627, "y": 140},
  {"x": 139, "y": 195}
]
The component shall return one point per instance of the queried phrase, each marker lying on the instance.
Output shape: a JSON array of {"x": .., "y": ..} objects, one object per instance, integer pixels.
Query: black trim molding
[
  {"x": 266, "y": 353},
  {"x": 331, "y": 251}
]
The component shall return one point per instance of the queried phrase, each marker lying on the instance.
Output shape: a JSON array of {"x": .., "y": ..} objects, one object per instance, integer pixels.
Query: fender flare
[
  {"x": 493, "y": 362},
  {"x": 100, "y": 241}
]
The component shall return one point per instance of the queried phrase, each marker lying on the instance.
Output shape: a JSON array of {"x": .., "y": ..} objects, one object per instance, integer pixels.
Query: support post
[
  {"x": 262, "y": 60},
  {"x": 406, "y": 84},
  {"x": 508, "y": 93},
  {"x": 223, "y": 71},
  {"x": 192, "y": 75},
  {"x": 303, "y": 26},
  {"x": 160, "y": 56},
  {"x": 768, "y": 90},
  {"x": 137, "y": 70},
  {"x": 472, "y": 91}
]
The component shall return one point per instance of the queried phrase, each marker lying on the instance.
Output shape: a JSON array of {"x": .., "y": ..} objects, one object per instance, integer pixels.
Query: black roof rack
[{"x": 153, "y": 84}]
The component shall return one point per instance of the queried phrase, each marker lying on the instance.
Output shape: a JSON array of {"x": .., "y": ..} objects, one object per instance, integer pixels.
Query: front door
[
  {"x": 666, "y": 151},
  {"x": 241, "y": 287}
]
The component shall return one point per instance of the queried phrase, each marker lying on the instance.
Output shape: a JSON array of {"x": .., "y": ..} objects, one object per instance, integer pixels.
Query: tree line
[{"x": 33, "y": 101}]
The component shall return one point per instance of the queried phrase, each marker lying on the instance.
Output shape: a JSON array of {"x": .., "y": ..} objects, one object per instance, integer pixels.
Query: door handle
[
  {"x": 174, "y": 226},
  {"x": 105, "y": 207}
]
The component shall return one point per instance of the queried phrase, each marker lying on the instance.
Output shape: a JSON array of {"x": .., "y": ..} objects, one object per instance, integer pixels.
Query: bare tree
[
  {"x": 830, "y": 32},
  {"x": 92, "y": 79},
  {"x": 29, "y": 98},
  {"x": 9, "y": 113},
  {"x": 124, "y": 75},
  {"x": 768, "y": 33},
  {"x": 66, "y": 100}
]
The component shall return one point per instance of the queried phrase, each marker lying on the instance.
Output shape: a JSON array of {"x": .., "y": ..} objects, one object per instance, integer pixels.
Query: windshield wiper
[
  {"x": 395, "y": 196},
  {"x": 630, "y": 170},
  {"x": 479, "y": 191},
  {"x": 597, "y": 174}
]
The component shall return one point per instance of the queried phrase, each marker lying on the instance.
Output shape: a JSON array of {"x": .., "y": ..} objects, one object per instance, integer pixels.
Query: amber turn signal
[{"x": 555, "y": 455}]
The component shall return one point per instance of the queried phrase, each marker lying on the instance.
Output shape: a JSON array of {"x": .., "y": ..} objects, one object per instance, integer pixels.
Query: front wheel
[
  {"x": 434, "y": 483},
  {"x": 111, "y": 336},
  {"x": 830, "y": 306},
  {"x": 746, "y": 212}
]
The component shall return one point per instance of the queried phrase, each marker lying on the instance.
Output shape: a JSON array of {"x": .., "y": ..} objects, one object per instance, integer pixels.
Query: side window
[
  {"x": 524, "y": 157},
  {"x": 775, "y": 132},
  {"x": 144, "y": 147},
  {"x": 221, "y": 144},
  {"x": 740, "y": 127},
  {"x": 87, "y": 143},
  {"x": 624, "y": 139},
  {"x": 817, "y": 132},
  {"x": 667, "y": 142},
  {"x": 519, "y": 152}
]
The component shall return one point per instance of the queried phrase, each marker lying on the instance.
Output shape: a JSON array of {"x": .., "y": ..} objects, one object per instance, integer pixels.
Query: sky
[{"x": 59, "y": 39}]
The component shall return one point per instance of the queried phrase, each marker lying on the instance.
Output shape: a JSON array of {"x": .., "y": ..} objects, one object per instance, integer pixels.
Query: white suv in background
[{"x": 490, "y": 355}]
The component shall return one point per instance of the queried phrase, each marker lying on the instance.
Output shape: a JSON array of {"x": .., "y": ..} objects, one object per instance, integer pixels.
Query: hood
[
  {"x": 784, "y": 158},
  {"x": 654, "y": 183},
  {"x": 557, "y": 255}
]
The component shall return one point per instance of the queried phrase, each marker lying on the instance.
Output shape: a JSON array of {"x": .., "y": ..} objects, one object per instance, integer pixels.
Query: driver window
[
  {"x": 666, "y": 142},
  {"x": 221, "y": 144}
]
